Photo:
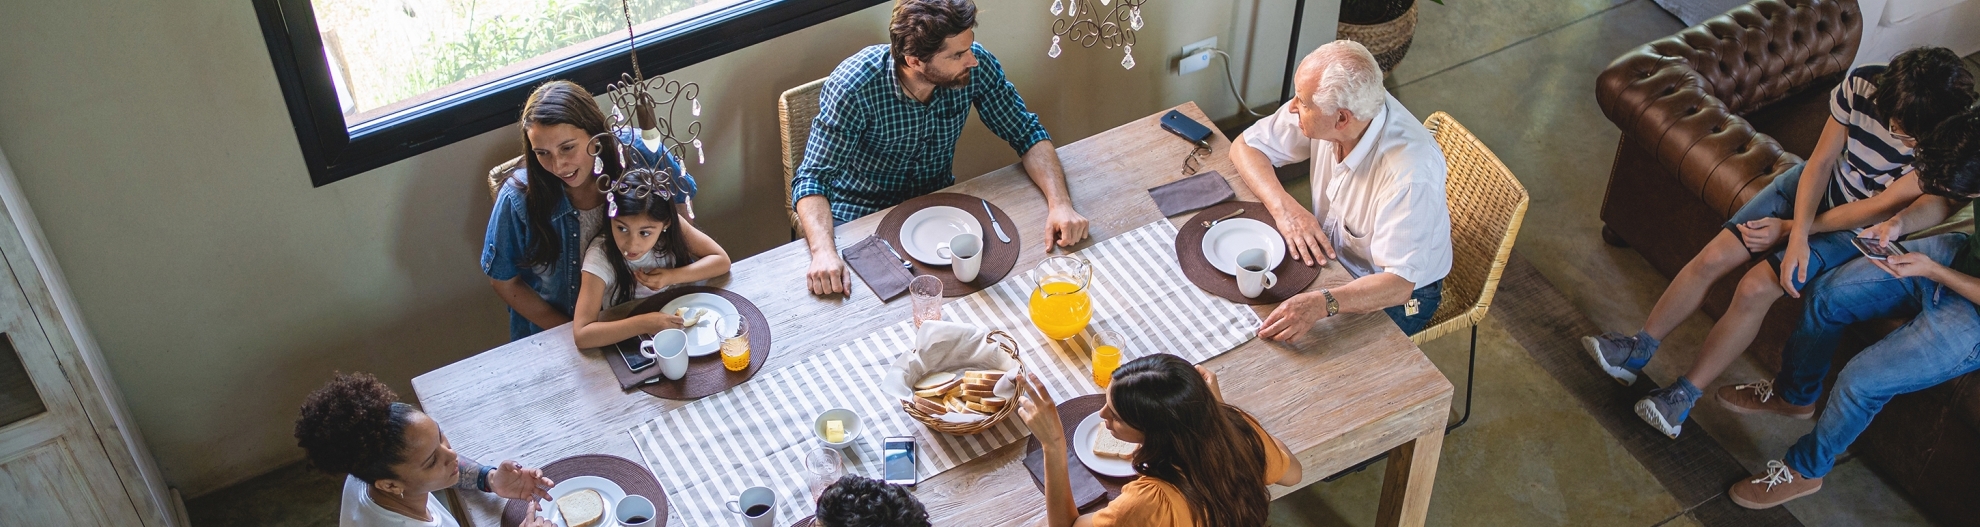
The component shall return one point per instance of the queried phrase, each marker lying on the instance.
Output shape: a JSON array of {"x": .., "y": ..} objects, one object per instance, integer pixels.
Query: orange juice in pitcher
[{"x": 1059, "y": 304}]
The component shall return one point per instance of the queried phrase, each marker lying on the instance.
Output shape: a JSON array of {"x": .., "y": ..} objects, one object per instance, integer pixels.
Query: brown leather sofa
[{"x": 1709, "y": 117}]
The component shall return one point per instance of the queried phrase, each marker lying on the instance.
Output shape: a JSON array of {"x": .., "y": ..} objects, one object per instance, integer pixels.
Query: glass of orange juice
[
  {"x": 1106, "y": 356},
  {"x": 735, "y": 349},
  {"x": 1060, "y": 307}
]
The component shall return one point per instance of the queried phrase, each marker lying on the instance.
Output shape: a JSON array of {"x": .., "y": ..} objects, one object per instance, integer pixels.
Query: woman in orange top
[{"x": 1203, "y": 463}]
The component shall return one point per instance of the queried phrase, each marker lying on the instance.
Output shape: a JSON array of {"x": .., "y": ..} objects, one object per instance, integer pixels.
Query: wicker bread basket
[{"x": 1009, "y": 345}]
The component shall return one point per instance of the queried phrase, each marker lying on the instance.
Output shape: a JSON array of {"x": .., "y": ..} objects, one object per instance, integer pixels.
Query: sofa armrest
[{"x": 1681, "y": 96}]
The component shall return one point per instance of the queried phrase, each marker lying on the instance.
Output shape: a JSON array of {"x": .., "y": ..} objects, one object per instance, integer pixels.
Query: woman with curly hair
[
  {"x": 394, "y": 457},
  {"x": 855, "y": 501},
  {"x": 1203, "y": 463}
]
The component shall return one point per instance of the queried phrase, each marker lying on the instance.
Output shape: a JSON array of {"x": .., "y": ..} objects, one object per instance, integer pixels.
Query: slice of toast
[
  {"x": 584, "y": 508},
  {"x": 1106, "y": 445}
]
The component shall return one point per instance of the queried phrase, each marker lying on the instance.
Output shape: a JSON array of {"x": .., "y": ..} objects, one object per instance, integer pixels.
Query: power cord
[{"x": 1232, "y": 80}]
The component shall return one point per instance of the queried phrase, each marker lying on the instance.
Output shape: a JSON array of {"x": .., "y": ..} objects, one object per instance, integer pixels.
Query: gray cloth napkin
[
  {"x": 1191, "y": 193},
  {"x": 879, "y": 266}
]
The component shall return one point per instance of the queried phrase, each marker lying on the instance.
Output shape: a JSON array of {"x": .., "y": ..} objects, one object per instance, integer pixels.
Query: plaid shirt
[{"x": 872, "y": 146}]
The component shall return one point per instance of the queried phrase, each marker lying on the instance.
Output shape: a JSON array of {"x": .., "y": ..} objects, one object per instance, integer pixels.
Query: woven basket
[
  {"x": 1389, "y": 41},
  {"x": 1009, "y": 345}
]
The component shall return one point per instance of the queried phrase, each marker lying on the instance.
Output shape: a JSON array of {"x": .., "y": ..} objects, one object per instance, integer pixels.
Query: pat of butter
[{"x": 835, "y": 432}]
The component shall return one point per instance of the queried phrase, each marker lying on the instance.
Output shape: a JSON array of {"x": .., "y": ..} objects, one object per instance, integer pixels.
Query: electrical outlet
[{"x": 1196, "y": 56}]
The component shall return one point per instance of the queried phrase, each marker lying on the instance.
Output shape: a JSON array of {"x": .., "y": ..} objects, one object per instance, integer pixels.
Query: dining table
[{"x": 1352, "y": 388}]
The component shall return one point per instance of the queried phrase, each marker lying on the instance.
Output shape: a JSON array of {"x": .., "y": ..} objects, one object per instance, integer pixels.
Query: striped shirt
[
  {"x": 872, "y": 146},
  {"x": 1872, "y": 158}
]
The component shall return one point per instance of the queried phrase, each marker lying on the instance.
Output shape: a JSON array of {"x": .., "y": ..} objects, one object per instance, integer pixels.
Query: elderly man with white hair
[{"x": 1378, "y": 193}]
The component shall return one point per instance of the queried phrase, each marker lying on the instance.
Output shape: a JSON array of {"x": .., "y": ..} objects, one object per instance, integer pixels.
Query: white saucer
[
  {"x": 704, "y": 338},
  {"x": 1083, "y": 446},
  {"x": 929, "y": 229},
  {"x": 1228, "y": 238},
  {"x": 605, "y": 487}
]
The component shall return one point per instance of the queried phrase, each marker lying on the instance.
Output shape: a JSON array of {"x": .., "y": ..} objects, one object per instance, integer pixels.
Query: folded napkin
[
  {"x": 1191, "y": 193},
  {"x": 879, "y": 266},
  {"x": 1086, "y": 489}
]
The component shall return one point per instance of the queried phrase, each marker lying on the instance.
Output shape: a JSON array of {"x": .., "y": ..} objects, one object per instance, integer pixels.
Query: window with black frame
[{"x": 370, "y": 82}]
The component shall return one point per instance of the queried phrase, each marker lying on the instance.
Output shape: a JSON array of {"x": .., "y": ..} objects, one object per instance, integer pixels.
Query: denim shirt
[{"x": 506, "y": 246}]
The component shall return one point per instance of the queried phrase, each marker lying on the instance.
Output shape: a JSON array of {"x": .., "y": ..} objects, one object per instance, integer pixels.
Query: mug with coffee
[
  {"x": 757, "y": 505},
  {"x": 1253, "y": 275},
  {"x": 636, "y": 511},
  {"x": 669, "y": 347},
  {"x": 965, "y": 253}
]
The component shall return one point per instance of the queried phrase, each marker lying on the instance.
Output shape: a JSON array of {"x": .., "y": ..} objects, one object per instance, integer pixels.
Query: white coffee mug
[
  {"x": 669, "y": 347},
  {"x": 636, "y": 511},
  {"x": 758, "y": 500},
  {"x": 1253, "y": 276},
  {"x": 965, "y": 253}
]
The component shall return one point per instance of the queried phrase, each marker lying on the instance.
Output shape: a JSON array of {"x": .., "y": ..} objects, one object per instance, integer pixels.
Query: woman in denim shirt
[{"x": 541, "y": 221}]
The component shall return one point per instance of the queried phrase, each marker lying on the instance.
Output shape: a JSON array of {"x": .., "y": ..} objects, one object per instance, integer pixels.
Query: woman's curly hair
[
  {"x": 855, "y": 501},
  {"x": 1948, "y": 161},
  {"x": 354, "y": 425}
]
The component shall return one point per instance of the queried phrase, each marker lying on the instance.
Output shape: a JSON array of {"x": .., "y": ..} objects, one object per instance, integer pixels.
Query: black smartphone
[
  {"x": 1188, "y": 129},
  {"x": 1876, "y": 249},
  {"x": 898, "y": 451},
  {"x": 629, "y": 350}
]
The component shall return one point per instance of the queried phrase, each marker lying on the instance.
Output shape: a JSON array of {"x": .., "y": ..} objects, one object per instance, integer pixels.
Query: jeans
[
  {"x": 1940, "y": 343},
  {"x": 1826, "y": 250},
  {"x": 1427, "y": 299}
]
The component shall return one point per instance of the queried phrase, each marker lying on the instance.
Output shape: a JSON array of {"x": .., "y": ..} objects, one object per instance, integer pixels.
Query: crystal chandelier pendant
[
  {"x": 697, "y": 102},
  {"x": 597, "y": 166},
  {"x": 1072, "y": 9},
  {"x": 1127, "y": 62},
  {"x": 1104, "y": 2},
  {"x": 1058, "y": 6},
  {"x": 700, "y": 157},
  {"x": 1054, "y": 52},
  {"x": 1134, "y": 18}
]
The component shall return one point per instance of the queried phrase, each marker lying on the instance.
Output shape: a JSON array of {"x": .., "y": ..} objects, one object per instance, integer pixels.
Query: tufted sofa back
[{"x": 1681, "y": 97}]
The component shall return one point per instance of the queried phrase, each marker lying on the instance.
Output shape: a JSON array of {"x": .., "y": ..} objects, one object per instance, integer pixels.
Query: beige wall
[{"x": 153, "y": 142}]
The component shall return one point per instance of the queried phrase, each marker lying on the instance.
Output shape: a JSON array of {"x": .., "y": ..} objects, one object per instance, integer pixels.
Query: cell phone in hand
[
  {"x": 1188, "y": 129},
  {"x": 1876, "y": 249}
]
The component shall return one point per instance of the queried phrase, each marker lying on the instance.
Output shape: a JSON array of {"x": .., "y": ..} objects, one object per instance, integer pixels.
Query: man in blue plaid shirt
[{"x": 888, "y": 120}]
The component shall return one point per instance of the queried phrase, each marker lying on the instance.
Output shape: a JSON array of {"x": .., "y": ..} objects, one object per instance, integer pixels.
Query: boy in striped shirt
[{"x": 1877, "y": 113}]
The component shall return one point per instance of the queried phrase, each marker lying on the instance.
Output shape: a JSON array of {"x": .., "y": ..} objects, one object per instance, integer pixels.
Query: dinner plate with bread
[
  {"x": 583, "y": 501},
  {"x": 1100, "y": 451}
]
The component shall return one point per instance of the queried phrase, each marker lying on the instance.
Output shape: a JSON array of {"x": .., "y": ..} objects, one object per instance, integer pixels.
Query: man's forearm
[
  {"x": 1259, "y": 175},
  {"x": 815, "y": 215},
  {"x": 1041, "y": 164},
  {"x": 1372, "y": 293}
]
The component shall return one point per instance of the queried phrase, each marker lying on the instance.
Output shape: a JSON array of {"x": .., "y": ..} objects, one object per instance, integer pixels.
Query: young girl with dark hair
[
  {"x": 394, "y": 457},
  {"x": 1203, "y": 463},
  {"x": 648, "y": 246}
]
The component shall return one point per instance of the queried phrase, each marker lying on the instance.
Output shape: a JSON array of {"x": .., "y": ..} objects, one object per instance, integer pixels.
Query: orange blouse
[{"x": 1152, "y": 502}]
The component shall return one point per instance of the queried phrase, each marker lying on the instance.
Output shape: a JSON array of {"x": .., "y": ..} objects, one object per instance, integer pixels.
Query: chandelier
[
  {"x": 1106, "y": 26},
  {"x": 646, "y": 108}
]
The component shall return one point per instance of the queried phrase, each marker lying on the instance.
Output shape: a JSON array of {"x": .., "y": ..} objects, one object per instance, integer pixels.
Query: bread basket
[{"x": 1004, "y": 342}]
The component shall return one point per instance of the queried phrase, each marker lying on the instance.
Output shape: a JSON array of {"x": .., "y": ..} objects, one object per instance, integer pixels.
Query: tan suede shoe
[
  {"x": 1758, "y": 398},
  {"x": 1779, "y": 485}
]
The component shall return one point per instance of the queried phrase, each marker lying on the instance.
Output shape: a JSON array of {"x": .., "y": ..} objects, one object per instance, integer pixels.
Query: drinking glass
[
  {"x": 1106, "y": 355},
  {"x": 824, "y": 466},
  {"x": 735, "y": 349},
  {"x": 927, "y": 292}
]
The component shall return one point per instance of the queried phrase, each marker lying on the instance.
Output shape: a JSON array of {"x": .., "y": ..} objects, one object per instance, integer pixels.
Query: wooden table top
[{"x": 1368, "y": 389}]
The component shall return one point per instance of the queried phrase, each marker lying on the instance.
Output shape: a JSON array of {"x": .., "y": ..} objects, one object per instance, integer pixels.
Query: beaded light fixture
[
  {"x": 653, "y": 103},
  {"x": 1077, "y": 21}
]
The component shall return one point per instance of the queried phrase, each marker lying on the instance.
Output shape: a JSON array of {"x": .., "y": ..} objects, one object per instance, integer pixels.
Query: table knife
[{"x": 993, "y": 223}]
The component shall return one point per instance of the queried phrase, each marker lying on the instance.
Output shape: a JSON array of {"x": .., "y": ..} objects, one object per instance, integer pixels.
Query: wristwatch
[{"x": 1333, "y": 308}]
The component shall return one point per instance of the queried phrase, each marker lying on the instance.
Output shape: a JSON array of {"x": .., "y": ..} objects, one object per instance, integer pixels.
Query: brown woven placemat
[
  {"x": 630, "y": 476},
  {"x": 705, "y": 374},
  {"x": 1293, "y": 276},
  {"x": 998, "y": 257},
  {"x": 1071, "y": 412}
]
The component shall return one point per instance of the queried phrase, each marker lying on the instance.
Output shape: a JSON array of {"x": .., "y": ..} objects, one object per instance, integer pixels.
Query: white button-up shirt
[{"x": 1382, "y": 206}]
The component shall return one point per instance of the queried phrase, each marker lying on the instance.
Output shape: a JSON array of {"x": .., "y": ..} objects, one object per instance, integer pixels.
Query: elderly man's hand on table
[
  {"x": 1304, "y": 239},
  {"x": 1294, "y": 317}
]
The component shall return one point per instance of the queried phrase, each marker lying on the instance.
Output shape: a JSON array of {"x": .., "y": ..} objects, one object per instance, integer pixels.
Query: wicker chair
[
  {"x": 795, "y": 110},
  {"x": 1487, "y": 205},
  {"x": 500, "y": 174}
]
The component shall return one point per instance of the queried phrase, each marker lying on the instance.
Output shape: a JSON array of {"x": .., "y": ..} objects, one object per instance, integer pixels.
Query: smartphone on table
[
  {"x": 1188, "y": 129},
  {"x": 898, "y": 451},
  {"x": 629, "y": 350},
  {"x": 1876, "y": 249}
]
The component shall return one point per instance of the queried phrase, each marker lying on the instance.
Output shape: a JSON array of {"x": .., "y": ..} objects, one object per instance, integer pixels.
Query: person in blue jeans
[
  {"x": 1936, "y": 283},
  {"x": 1802, "y": 222}
]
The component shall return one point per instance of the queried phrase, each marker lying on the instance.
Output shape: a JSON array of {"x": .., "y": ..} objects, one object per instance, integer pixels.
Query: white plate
[
  {"x": 931, "y": 228},
  {"x": 605, "y": 487},
  {"x": 1227, "y": 238},
  {"x": 1083, "y": 445},
  {"x": 704, "y": 338}
]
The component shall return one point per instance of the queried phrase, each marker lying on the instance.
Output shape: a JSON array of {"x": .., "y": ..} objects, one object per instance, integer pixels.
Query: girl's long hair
[
  {"x": 554, "y": 103},
  {"x": 1207, "y": 449},
  {"x": 673, "y": 241}
]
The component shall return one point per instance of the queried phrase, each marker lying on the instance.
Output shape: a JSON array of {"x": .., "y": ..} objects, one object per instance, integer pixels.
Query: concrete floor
[{"x": 1520, "y": 74}]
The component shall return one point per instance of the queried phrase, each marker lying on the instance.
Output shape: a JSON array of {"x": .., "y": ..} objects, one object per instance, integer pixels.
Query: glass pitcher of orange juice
[{"x": 1059, "y": 304}]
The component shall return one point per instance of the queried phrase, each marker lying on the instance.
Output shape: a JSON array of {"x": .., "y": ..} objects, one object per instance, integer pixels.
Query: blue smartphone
[{"x": 1188, "y": 129}]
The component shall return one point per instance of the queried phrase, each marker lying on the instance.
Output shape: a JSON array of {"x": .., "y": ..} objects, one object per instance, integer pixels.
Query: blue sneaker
[
  {"x": 1666, "y": 408},
  {"x": 1621, "y": 356}
]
